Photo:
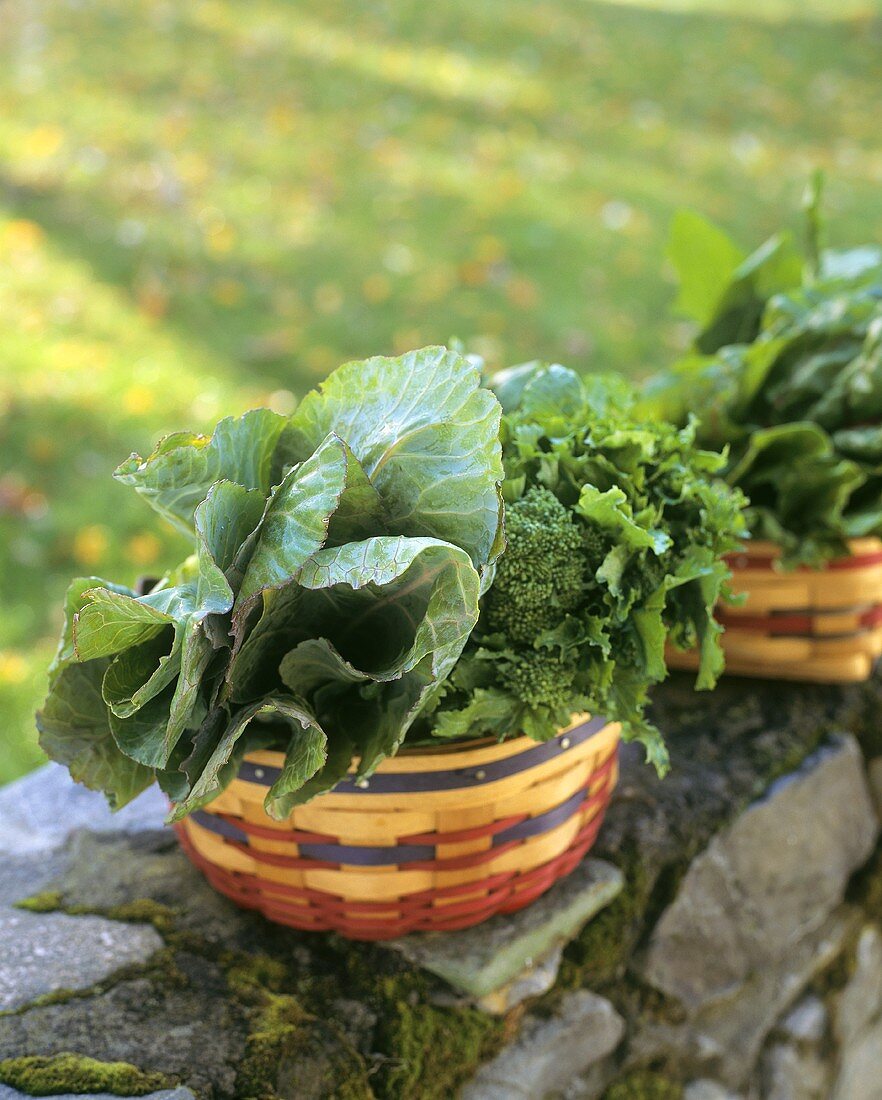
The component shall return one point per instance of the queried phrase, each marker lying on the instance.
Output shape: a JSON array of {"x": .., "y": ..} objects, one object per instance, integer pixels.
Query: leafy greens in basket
[
  {"x": 787, "y": 375},
  {"x": 343, "y": 556},
  {"x": 616, "y": 527},
  {"x": 339, "y": 559}
]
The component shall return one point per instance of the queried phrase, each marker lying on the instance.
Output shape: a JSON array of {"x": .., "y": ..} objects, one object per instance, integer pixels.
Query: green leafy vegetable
[
  {"x": 337, "y": 567},
  {"x": 616, "y": 527},
  {"x": 787, "y": 376}
]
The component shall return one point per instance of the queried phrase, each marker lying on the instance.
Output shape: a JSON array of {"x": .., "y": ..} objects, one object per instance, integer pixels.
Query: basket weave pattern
[
  {"x": 821, "y": 625},
  {"x": 434, "y": 840}
]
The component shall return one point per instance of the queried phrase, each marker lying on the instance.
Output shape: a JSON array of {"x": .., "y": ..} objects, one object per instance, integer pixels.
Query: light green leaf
[
  {"x": 705, "y": 259},
  {"x": 427, "y": 436},
  {"x": 297, "y": 518},
  {"x": 611, "y": 512},
  {"x": 176, "y": 477},
  {"x": 75, "y": 600},
  {"x": 110, "y": 622}
]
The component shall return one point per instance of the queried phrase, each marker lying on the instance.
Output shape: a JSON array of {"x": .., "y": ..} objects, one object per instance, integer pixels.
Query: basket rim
[
  {"x": 764, "y": 549},
  {"x": 452, "y": 755}
]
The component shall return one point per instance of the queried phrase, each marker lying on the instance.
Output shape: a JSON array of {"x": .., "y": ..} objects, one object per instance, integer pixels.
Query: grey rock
[
  {"x": 592, "y": 1084},
  {"x": 705, "y": 1089},
  {"x": 734, "y": 1029},
  {"x": 549, "y": 1053},
  {"x": 45, "y": 952},
  {"x": 859, "y": 1077},
  {"x": 188, "y": 1028},
  {"x": 789, "y": 1073},
  {"x": 30, "y": 821},
  {"x": 6, "y": 1093},
  {"x": 874, "y": 771},
  {"x": 22, "y": 876},
  {"x": 766, "y": 882},
  {"x": 726, "y": 1036},
  {"x": 858, "y": 1024},
  {"x": 492, "y": 956},
  {"x": 807, "y": 1021},
  {"x": 860, "y": 1003}
]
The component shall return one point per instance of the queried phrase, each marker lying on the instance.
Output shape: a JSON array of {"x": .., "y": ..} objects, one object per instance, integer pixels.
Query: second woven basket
[
  {"x": 437, "y": 839},
  {"x": 819, "y": 625}
]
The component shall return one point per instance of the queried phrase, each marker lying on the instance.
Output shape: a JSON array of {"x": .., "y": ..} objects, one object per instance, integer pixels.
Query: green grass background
[{"x": 206, "y": 206}]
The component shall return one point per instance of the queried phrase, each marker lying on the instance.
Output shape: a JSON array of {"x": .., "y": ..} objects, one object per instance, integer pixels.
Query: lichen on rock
[{"x": 77, "y": 1073}]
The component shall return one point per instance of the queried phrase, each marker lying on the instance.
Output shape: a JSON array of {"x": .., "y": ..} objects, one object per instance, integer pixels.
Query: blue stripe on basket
[
  {"x": 368, "y": 857},
  {"x": 542, "y": 823},
  {"x": 219, "y": 825},
  {"x": 360, "y": 856},
  {"x": 423, "y": 782}
]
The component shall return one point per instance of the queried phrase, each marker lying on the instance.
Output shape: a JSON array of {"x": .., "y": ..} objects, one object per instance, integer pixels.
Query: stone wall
[{"x": 721, "y": 942}]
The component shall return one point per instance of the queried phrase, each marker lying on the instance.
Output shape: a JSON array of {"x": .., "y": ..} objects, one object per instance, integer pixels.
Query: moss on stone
[
  {"x": 431, "y": 1050},
  {"x": 143, "y": 911},
  {"x": 137, "y": 911},
  {"x": 426, "y": 1049},
  {"x": 643, "y": 1084},
  {"x": 275, "y": 1026},
  {"x": 46, "y": 902},
  {"x": 75, "y": 1073},
  {"x": 285, "y": 1042},
  {"x": 598, "y": 955}
]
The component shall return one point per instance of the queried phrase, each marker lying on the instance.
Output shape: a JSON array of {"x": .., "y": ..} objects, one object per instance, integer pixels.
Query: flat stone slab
[
  {"x": 7, "y": 1093},
  {"x": 30, "y": 821},
  {"x": 550, "y": 1052},
  {"x": 505, "y": 950},
  {"x": 47, "y": 952}
]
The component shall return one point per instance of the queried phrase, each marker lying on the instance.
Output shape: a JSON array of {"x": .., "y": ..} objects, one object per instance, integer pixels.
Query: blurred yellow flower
[
  {"x": 319, "y": 360},
  {"x": 522, "y": 292},
  {"x": 220, "y": 238},
  {"x": 13, "y": 668},
  {"x": 328, "y": 298},
  {"x": 281, "y": 118},
  {"x": 434, "y": 284},
  {"x": 489, "y": 250},
  {"x": 406, "y": 340},
  {"x": 227, "y": 292},
  {"x": 376, "y": 288},
  {"x": 42, "y": 142},
  {"x": 90, "y": 544},
  {"x": 21, "y": 235},
  {"x": 138, "y": 399},
  {"x": 144, "y": 548},
  {"x": 42, "y": 448}
]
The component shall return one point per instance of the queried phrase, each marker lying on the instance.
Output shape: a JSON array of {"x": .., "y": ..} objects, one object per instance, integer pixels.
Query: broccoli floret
[
  {"x": 595, "y": 545},
  {"x": 541, "y": 679},
  {"x": 541, "y": 576}
]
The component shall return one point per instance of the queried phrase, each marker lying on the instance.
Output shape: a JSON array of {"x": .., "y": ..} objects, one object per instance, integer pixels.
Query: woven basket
[
  {"x": 434, "y": 840},
  {"x": 822, "y": 625}
]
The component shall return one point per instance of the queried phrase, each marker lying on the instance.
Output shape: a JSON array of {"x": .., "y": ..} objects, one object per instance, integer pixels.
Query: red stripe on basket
[
  {"x": 797, "y": 624},
  {"x": 461, "y": 835},
  {"x": 746, "y": 560}
]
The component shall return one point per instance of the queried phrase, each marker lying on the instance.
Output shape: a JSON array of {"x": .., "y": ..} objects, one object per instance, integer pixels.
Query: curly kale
[
  {"x": 542, "y": 575},
  {"x": 616, "y": 530}
]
